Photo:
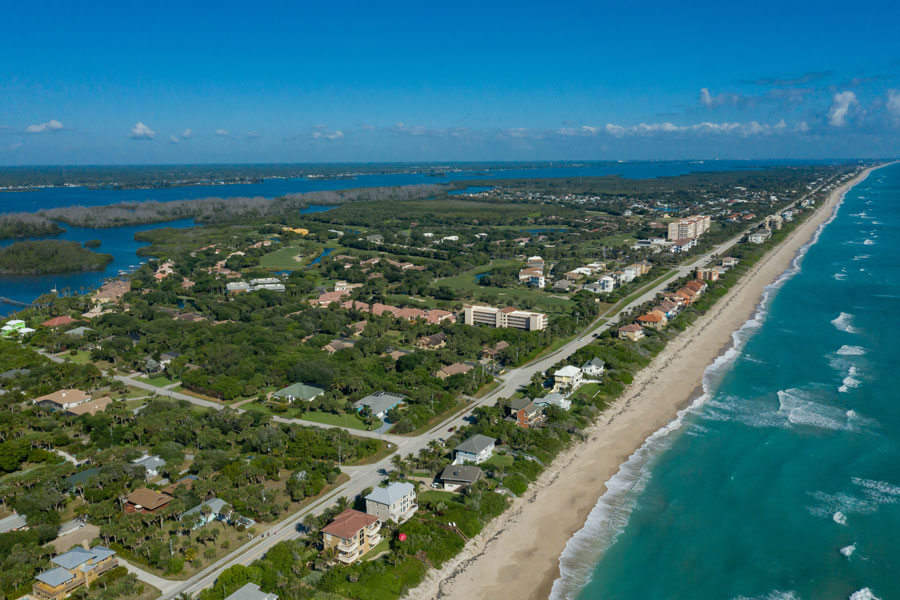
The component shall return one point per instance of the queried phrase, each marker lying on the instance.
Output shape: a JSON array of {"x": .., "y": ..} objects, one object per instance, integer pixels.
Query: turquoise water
[{"x": 783, "y": 481}]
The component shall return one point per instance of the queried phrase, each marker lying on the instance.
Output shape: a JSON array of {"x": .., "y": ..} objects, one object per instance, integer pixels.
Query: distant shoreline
[{"x": 537, "y": 527}]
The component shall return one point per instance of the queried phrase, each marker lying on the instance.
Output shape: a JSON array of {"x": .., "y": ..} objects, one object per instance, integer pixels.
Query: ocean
[{"x": 783, "y": 480}]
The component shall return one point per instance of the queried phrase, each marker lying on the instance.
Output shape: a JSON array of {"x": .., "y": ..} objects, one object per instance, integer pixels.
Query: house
[
  {"x": 73, "y": 569},
  {"x": 606, "y": 284},
  {"x": 525, "y": 413},
  {"x": 494, "y": 351},
  {"x": 379, "y": 403},
  {"x": 708, "y": 274},
  {"x": 554, "y": 399},
  {"x": 697, "y": 286},
  {"x": 166, "y": 358},
  {"x": 58, "y": 322},
  {"x": 436, "y": 316},
  {"x": 655, "y": 319},
  {"x": 81, "y": 478},
  {"x": 728, "y": 261},
  {"x": 250, "y": 591},
  {"x": 298, "y": 391},
  {"x": 593, "y": 368},
  {"x": 337, "y": 345},
  {"x": 327, "y": 298},
  {"x": 13, "y": 327},
  {"x": 112, "y": 291},
  {"x": 144, "y": 500},
  {"x": 375, "y": 238},
  {"x": 219, "y": 510},
  {"x": 668, "y": 307},
  {"x": 476, "y": 449},
  {"x": 564, "y": 285},
  {"x": 682, "y": 245},
  {"x": 455, "y": 477},
  {"x": 351, "y": 534},
  {"x": 91, "y": 407},
  {"x": 432, "y": 342},
  {"x": 62, "y": 399},
  {"x": 358, "y": 328},
  {"x": 13, "y": 522},
  {"x": 454, "y": 369},
  {"x": 759, "y": 237},
  {"x": 632, "y": 332},
  {"x": 151, "y": 464},
  {"x": 395, "y": 502},
  {"x": 237, "y": 287},
  {"x": 567, "y": 378}
]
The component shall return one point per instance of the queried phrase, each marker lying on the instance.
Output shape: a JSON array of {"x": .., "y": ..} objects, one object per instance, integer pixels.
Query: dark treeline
[
  {"x": 25, "y": 225},
  {"x": 50, "y": 256}
]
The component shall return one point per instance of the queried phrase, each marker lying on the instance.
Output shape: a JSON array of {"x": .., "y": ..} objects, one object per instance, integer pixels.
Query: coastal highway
[
  {"x": 371, "y": 475},
  {"x": 362, "y": 477}
]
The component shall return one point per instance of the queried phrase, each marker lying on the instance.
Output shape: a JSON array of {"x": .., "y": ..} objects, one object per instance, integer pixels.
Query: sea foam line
[{"x": 610, "y": 515}]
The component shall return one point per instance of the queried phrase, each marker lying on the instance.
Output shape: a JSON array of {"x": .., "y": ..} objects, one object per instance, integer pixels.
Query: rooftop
[
  {"x": 348, "y": 523},
  {"x": 476, "y": 444},
  {"x": 391, "y": 493}
]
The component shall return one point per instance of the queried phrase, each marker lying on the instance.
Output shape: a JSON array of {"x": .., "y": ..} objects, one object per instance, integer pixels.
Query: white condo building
[
  {"x": 505, "y": 317},
  {"x": 689, "y": 228}
]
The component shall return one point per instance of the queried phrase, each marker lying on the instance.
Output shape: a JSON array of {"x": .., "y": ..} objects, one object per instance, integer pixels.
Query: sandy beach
[{"x": 517, "y": 555}]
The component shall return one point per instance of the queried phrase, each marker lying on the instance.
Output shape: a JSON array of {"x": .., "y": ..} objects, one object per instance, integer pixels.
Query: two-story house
[
  {"x": 73, "y": 569},
  {"x": 525, "y": 413},
  {"x": 476, "y": 449},
  {"x": 351, "y": 535},
  {"x": 567, "y": 379},
  {"x": 394, "y": 502}
]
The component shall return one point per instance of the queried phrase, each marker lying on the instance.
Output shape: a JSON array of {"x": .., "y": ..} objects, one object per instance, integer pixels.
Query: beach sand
[{"x": 517, "y": 555}]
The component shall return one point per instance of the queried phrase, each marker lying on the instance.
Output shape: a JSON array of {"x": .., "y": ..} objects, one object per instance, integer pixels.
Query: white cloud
[
  {"x": 142, "y": 132},
  {"x": 710, "y": 101},
  {"x": 802, "y": 127},
  {"x": 665, "y": 128},
  {"x": 893, "y": 103},
  {"x": 188, "y": 134},
  {"x": 173, "y": 139},
  {"x": 222, "y": 132},
  {"x": 48, "y": 127},
  {"x": 840, "y": 107}
]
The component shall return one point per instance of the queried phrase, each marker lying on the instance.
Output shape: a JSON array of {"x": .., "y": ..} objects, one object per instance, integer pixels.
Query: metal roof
[{"x": 391, "y": 493}]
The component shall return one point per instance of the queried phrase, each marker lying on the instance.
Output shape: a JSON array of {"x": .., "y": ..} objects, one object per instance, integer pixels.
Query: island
[{"x": 50, "y": 256}]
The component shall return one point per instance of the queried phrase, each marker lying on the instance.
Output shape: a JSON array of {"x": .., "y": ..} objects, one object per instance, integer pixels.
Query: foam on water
[
  {"x": 610, "y": 515},
  {"x": 773, "y": 595},
  {"x": 846, "y": 350},
  {"x": 868, "y": 242},
  {"x": 800, "y": 409},
  {"x": 848, "y": 550},
  {"x": 843, "y": 322},
  {"x": 839, "y": 518},
  {"x": 863, "y": 594},
  {"x": 840, "y": 276}
]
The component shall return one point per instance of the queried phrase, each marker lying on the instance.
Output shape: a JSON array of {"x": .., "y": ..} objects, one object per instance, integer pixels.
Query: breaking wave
[{"x": 843, "y": 322}]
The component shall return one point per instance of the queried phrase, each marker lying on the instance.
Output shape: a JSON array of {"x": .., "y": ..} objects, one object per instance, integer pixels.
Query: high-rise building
[{"x": 689, "y": 228}]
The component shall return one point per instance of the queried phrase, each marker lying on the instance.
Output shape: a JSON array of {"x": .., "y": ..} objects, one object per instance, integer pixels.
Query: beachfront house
[
  {"x": 394, "y": 502},
  {"x": 632, "y": 332},
  {"x": 525, "y": 413},
  {"x": 455, "y": 477},
  {"x": 75, "y": 568},
  {"x": 350, "y": 535},
  {"x": 476, "y": 449},
  {"x": 555, "y": 399},
  {"x": 251, "y": 591},
  {"x": 593, "y": 368},
  {"x": 567, "y": 379},
  {"x": 379, "y": 403}
]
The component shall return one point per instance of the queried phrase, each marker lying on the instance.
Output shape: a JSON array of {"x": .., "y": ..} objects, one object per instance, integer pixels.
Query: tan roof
[
  {"x": 455, "y": 369},
  {"x": 92, "y": 407},
  {"x": 347, "y": 524},
  {"x": 61, "y": 397},
  {"x": 148, "y": 499},
  {"x": 58, "y": 321},
  {"x": 631, "y": 327}
]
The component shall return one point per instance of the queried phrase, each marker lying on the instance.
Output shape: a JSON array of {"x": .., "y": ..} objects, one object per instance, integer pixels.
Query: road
[{"x": 371, "y": 475}]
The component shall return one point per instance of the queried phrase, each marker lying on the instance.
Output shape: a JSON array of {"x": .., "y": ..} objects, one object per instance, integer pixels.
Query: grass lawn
[
  {"x": 487, "y": 389},
  {"x": 285, "y": 258},
  {"x": 133, "y": 404},
  {"x": 342, "y": 420},
  {"x": 382, "y": 546},
  {"x": 80, "y": 357},
  {"x": 500, "y": 461},
  {"x": 458, "y": 407},
  {"x": 158, "y": 380},
  {"x": 588, "y": 390},
  {"x": 437, "y": 496}
]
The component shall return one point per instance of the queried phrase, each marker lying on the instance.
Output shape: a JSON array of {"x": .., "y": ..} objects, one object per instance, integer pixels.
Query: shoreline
[{"x": 534, "y": 531}]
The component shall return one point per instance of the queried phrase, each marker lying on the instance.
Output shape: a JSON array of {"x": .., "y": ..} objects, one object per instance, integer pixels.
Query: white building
[
  {"x": 567, "y": 378},
  {"x": 395, "y": 502},
  {"x": 505, "y": 317},
  {"x": 476, "y": 449}
]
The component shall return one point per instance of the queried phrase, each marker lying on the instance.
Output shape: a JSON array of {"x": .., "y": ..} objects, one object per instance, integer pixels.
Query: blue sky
[{"x": 124, "y": 83}]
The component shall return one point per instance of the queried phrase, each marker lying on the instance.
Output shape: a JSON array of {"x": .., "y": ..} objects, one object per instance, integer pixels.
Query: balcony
[
  {"x": 349, "y": 557},
  {"x": 348, "y": 547},
  {"x": 374, "y": 539}
]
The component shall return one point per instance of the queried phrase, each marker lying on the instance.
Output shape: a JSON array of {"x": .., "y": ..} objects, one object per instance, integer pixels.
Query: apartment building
[
  {"x": 75, "y": 568},
  {"x": 689, "y": 228},
  {"x": 505, "y": 317},
  {"x": 351, "y": 534}
]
